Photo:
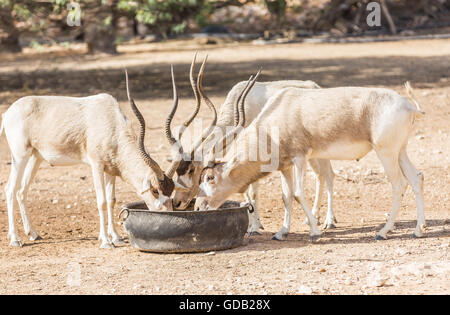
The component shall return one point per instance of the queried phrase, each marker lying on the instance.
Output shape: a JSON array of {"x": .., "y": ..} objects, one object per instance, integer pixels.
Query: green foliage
[
  {"x": 168, "y": 16},
  {"x": 33, "y": 13}
]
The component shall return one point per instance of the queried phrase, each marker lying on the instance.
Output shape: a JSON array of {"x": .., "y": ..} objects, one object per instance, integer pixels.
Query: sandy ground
[{"x": 344, "y": 261}]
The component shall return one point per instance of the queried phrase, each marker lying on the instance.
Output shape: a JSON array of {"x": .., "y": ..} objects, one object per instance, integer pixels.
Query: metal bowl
[{"x": 185, "y": 231}]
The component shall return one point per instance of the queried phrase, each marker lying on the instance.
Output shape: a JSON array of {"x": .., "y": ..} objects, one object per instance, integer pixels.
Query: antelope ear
[{"x": 180, "y": 187}]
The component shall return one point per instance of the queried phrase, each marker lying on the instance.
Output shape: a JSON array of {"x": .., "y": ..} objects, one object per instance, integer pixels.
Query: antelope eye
[
  {"x": 209, "y": 178},
  {"x": 155, "y": 192}
]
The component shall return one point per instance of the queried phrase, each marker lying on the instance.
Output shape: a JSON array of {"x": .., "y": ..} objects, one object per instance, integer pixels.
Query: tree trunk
[
  {"x": 100, "y": 28},
  {"x": 388, "y": 16},
  {"x": 9, "y": 34}
]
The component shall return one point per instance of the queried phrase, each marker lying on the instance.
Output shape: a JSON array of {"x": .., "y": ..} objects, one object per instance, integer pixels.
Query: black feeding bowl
[{"x": 185, "y": 231}]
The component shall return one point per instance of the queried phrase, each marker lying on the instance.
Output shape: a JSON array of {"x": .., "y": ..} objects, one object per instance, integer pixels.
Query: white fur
[
  {"x": 68, "y": 131},
  {"x": 315, "y": 123},
  {"x": 254, "y": 103}
]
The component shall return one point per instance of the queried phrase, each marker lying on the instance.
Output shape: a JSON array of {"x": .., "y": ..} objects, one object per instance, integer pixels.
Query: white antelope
[
  {"x": 92, "y": 130},
  {"x": 189, "y": 169},
  {"x": 333, "y": 124}
]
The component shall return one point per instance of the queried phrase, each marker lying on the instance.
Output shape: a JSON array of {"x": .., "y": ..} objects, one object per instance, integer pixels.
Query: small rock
[
  {"x": 55, "y": 201},
  {"x": 369, "y": 172},
  {"x": 376, "y": 281},
  {"x": 304, "y": 290},
  {"x": 403, "y": 252},
  {"x": 137, "y": 286}
]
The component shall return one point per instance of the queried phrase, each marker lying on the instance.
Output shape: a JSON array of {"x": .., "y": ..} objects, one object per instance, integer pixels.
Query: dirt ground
[{"x": 344, "y": 261}]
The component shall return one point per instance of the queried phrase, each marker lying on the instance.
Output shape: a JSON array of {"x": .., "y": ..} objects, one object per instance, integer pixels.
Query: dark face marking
[
  {"x": 166, "y": 186},
  {"x": 183, "y": 167}
]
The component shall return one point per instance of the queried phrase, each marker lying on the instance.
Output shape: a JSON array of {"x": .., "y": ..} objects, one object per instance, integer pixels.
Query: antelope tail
[{"x": 410, "y": 92}]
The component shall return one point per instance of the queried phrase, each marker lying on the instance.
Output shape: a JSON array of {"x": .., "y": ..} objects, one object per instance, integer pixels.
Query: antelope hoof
[
  {"x": 254, "y": 233},
  {"x": 329, "y": 226},
  {"x": 417, "y": 235},
  {"x": 36, "y": 237},
  {"x": 314, "y": 238},
  {"x": 419, "y": 232},
  {"x": 107, "y": 245},
  {"x": 379, "y": 237},
  {"x": 118, "y": 241},
  {"x": 15, "y": 244},
  {"x": 279, "y": 236}
]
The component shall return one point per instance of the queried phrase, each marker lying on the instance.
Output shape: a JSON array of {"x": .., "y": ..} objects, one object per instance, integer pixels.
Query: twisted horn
[
  {"x": 241, "y": 106},
  {"x": 210, "y": 105},
  {"x": 173, "y": 167},
  {"x": 197, "y": 98},
  {"x": 250, "y": 83},
  {"x": 237, "y": 109},
  {"x": 169, "y": 118},
  {"x": 141, "y": 146}
]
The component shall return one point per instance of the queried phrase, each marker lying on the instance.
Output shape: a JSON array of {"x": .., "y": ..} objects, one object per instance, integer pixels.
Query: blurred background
[
  {"x": 104, "y": 24},
  {"x": 82, "y": 47}
]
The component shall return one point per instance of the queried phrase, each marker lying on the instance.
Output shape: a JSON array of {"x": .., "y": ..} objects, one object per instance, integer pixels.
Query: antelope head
[{"x": 213, "y": 177}]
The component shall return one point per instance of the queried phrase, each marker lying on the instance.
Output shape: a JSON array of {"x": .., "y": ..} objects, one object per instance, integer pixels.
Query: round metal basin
[{"x": 185, "y": 231}]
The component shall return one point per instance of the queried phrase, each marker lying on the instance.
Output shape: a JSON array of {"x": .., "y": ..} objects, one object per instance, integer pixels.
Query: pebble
[
  {"x": 376, "y": 281},
  {"x": 304, "y": 290},
  {"x": 55, "y": 201},
  {"x": 368, "y": 173},
  {"x": 403, "y": 252}
]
